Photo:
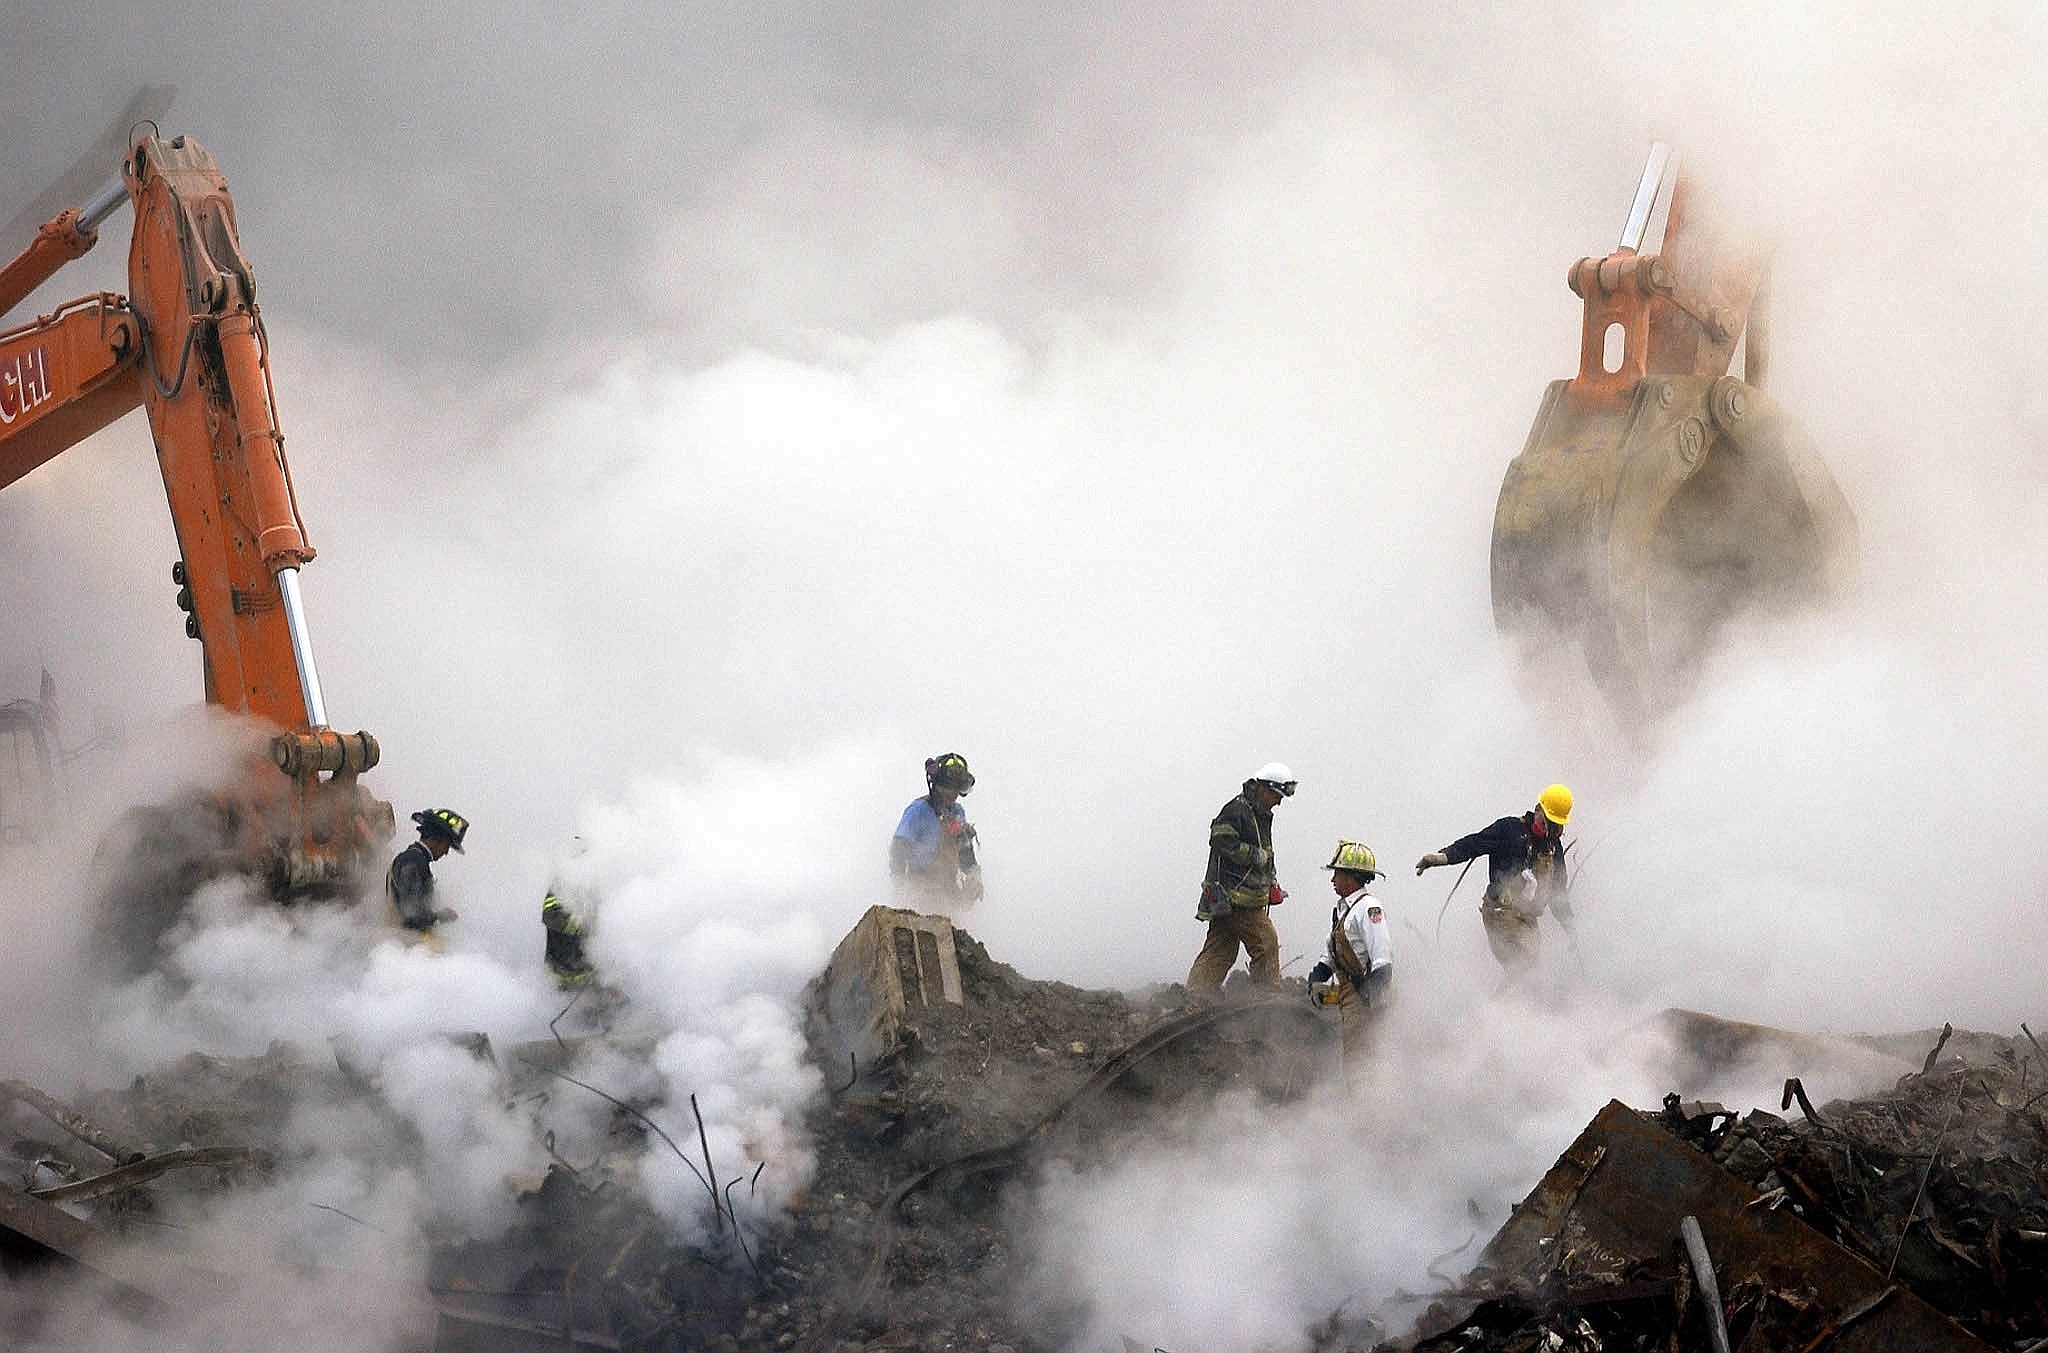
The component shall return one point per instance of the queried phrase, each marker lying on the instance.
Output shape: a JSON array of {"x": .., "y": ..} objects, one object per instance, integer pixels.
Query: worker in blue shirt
[{"x": 931, "y": 857}]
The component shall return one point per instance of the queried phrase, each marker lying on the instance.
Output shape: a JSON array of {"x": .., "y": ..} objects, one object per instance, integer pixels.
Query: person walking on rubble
[
  {"x": 1241, "y": 886},
  {"x": 1525, "y": 876},
  {"x": 932, "y": 855},
  {"x": 409, "y": 884},
  {"x": 1360, "y": 955}
]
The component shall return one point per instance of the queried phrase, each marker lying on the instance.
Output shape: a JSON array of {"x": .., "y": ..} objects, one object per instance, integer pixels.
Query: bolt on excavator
[
  {"x": 187, "y": 346},
  {"x": 1658, "y": 496}
]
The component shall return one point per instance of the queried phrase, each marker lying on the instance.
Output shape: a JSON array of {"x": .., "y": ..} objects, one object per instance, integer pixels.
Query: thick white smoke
[{"x": 975, "y": 385}]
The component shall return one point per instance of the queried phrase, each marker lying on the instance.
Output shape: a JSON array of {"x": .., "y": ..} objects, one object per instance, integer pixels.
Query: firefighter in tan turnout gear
[
  {"x": 1525, "y": 876},
  {"x": 1360, "y": 957},
  {"x": 1240, "y": 885}
]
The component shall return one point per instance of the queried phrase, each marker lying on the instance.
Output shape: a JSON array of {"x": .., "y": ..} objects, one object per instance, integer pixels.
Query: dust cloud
[{"x": 703, "y": 419}]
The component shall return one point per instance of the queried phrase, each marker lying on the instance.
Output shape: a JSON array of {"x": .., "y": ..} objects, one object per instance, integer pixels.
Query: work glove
[
  {"x": 1261, "y": 856},
  {"x": 1431, "y": 861},
  {"x": 1322, "y": 994}
]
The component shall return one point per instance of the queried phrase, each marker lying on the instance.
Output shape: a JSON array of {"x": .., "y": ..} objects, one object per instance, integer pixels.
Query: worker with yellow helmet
[
  {"x": 1360, "y": 956},
  {"x": 1525, "y": 876}
]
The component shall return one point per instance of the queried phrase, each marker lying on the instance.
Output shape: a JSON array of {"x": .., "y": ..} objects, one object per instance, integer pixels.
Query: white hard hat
[{"x": 1277, "y": 775}]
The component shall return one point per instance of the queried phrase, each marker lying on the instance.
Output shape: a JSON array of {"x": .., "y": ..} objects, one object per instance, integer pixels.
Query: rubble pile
[
  {"x": 904, "y": 1238},
  {"x": 1913, "y": 1220},
  {"x": 1938, "y": 1183}
]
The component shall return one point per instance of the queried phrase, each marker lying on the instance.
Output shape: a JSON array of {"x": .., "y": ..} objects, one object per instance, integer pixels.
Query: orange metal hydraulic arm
[
  {"x": 206, "y": 388},
  {"x": 1681, "y": 311},
  {"x": 63, "y": 379},
  {"x": 73, "y": 233},
  {"x": 187, "y": 345}
]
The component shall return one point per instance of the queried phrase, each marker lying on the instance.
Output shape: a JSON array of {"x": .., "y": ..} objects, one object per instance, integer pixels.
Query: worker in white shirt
[{"x": 1360, "y": 958}]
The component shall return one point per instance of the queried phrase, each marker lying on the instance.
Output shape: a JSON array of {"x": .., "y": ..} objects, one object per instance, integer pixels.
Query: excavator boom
[{"x": 187, "y": 346}]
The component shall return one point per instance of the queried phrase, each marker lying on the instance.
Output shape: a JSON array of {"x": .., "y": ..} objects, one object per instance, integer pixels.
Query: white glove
[{"x": 1431, "y": 861}]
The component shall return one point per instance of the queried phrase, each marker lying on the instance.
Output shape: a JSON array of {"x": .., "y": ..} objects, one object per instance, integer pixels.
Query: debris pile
[
  {"x": 1913, "y": 1220},
  {"x": 1910, "y": 1220}
]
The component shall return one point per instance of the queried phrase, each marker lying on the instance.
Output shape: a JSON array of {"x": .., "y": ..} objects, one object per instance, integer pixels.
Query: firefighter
[
  {"x": 1240, "y": 886},
  {"x": 1525, "y": 876},
  {"x": 409, "y": 885},
  {"x": 567, "y": 963},
  {"x": 932, "y": 855},
  {"x": 1360, "y": 956}
]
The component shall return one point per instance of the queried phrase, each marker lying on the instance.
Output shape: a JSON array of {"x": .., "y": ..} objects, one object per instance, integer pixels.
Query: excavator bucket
[{"x": 1658, "y": 497}]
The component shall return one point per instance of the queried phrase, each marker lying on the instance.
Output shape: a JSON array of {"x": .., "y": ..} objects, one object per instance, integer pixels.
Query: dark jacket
[
  {"x": 1509, "y": 850},
  {"x": 564, "y": 954},
  {"x": 410, "y": 886},
  {"x": 1241, "y": 851}
]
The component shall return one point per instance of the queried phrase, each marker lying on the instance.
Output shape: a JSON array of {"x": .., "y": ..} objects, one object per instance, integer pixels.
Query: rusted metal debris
[{"x": 1595, "y": 1257}]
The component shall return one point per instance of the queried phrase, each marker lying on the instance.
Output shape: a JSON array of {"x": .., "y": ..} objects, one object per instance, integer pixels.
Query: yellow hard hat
[
  {"x": 1355, "y": 857},
  {"x": 1556, "y": 803}
]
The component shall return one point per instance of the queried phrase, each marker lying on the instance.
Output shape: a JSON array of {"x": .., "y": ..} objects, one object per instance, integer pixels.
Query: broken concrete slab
[{"x": 892, "y": 963}]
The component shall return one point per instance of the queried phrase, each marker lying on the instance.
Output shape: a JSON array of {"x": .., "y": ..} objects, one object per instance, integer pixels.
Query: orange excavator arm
[{"x": 187, "y": 346}]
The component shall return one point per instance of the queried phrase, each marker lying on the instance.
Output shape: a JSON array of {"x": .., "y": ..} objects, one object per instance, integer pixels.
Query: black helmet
[
  {"x": 949, "y": 772},
  {"x": 443, "y": 822}
]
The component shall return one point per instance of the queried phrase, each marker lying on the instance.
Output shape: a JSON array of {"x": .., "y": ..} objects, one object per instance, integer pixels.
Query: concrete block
[{"x": 892, "y": 964}]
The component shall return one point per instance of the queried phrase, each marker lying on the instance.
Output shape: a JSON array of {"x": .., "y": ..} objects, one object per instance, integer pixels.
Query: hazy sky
[{"x": 704, "y": 415}]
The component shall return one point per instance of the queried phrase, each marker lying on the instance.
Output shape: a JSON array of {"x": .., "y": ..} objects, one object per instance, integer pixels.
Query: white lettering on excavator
[{"x": 24, "y": 383}]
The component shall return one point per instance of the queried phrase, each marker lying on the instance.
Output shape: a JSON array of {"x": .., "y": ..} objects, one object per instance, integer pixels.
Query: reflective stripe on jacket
[{"x": 1241, "y": 851}]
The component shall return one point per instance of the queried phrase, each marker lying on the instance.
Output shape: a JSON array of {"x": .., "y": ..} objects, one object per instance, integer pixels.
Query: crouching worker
[
  {"x": 409, "y": 885},
  {"x": 567, "y": 963},
  {"x": 1360, "y": 956}
]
